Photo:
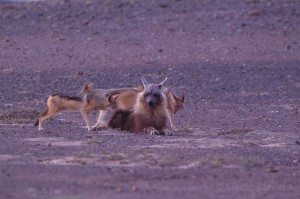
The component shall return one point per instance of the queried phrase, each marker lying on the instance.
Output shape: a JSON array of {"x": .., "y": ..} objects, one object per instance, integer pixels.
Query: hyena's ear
[
  {"x": 162, "y": 83},
  {"x": 145, "y": 83}
]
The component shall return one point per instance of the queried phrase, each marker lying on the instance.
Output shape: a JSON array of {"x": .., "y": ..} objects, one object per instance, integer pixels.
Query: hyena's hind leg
[{"x": 46, "y": 115}]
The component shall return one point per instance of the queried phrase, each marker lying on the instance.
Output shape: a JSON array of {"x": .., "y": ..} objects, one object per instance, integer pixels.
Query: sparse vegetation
[
  {"x": 210, "y": 161},
  {"x": 251, "y": 162},
  {"x": 168, "y": 162},
  {"x": 93, "y": 141},
  {"x": 183, "y": 130},
  {"x": 22, "y": 116},
  {"x": 236, "y": 131},
  {"x": 113, "y": 156}
]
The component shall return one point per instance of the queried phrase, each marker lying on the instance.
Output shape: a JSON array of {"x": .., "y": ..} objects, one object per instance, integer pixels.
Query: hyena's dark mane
[{"x": 122, "y": 120}]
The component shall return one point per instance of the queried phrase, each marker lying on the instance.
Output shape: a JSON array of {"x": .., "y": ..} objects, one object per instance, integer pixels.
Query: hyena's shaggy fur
[{"x": 148, "y": 113}]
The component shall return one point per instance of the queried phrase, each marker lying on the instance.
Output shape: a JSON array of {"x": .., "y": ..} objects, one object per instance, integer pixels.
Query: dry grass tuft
[
  {"x": 211, "y": 161},
  {"x": 168, "y": 162},
  {"x": 236, "y": 131},
  {"x": 22, "y": 116}
]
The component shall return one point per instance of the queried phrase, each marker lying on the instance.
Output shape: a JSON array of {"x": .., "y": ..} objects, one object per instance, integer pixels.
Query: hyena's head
[{"x": 152, "y": 94}]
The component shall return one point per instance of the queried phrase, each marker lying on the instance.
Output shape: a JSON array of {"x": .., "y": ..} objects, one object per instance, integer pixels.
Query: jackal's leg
[
  {"x": 48, "y": 115},
  {"x": 170, "y": 114},
  {"x": 85, "y": 115},
  {"x": 100, "y": 122}
]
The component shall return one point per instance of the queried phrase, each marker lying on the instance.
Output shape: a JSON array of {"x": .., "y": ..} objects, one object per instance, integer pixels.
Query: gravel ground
[{"x": 236, "y": 61}]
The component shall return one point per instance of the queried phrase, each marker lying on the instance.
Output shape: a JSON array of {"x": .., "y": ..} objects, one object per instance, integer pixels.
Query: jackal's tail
[{"x": 43, "y": 114}]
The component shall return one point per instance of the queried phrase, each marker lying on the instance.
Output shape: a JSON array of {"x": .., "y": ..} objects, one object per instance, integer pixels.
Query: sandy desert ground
[{"x": 236, "y": 61}]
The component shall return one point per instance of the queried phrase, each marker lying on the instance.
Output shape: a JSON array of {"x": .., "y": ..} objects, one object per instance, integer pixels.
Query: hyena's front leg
[
  {"x": 152, "y": 131},
  {"x": 85, "y": 115}
]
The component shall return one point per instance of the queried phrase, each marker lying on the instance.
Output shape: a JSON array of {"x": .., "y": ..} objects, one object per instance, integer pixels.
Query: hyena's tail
[{"x": 43, "y": 114}]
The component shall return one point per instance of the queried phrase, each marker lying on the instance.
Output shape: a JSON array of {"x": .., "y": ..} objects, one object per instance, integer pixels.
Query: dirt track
[{"x": 236, "y": 62}]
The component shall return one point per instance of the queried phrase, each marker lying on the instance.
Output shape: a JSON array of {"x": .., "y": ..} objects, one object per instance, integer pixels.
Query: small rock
[
  {"x": 8, "y": 105},
  {"x": 89, "y": 136},
  {"x": 288, "y": 47},
  {"x": 134, "y": 189},
  {"x": 57, "y": 191},
  {"x": 79, "y": 74},
  {"x": 7, "y": 40},
  {"x": 8, "y": 71},
  {"x": 31, "y": 190},
  {"x": 271, "y": 169},
  {"x": 163, "y": 5},
  {"x": 254, "y": 13},
  {"x": 61, "y": 39},
  {"x": 119, "y": 189},
  {"x": 88, "y": 2}
]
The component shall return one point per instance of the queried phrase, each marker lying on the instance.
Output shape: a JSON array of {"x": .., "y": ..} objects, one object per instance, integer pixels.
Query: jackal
[
  {"x": 57, "y": 103},
  {"x": 173, "y": 105},
  {"x": 126, "y": 102},
  {"x": 93, "y": 101}
]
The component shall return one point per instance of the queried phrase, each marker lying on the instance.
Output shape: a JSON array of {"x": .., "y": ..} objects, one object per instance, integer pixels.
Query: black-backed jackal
[
  {"x": 96, "y": 100},
  {"x": 126, "y": 102},
  {"x": 173, "y": 104}
]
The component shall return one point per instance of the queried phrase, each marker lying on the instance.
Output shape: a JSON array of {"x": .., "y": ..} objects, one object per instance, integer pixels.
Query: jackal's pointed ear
[
  {"x": 87, "y": 87},
  {"x": 182, "y": 98},
  {"x": 162, "y": 83},
  {"x": 110, "y": 98},
  {"x": 90, "y": 85},
  {"x": 145, "y": 83}
]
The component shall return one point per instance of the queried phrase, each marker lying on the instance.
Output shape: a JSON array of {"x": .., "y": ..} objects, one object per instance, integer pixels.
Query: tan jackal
[{"x": 97, "y": 100}]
